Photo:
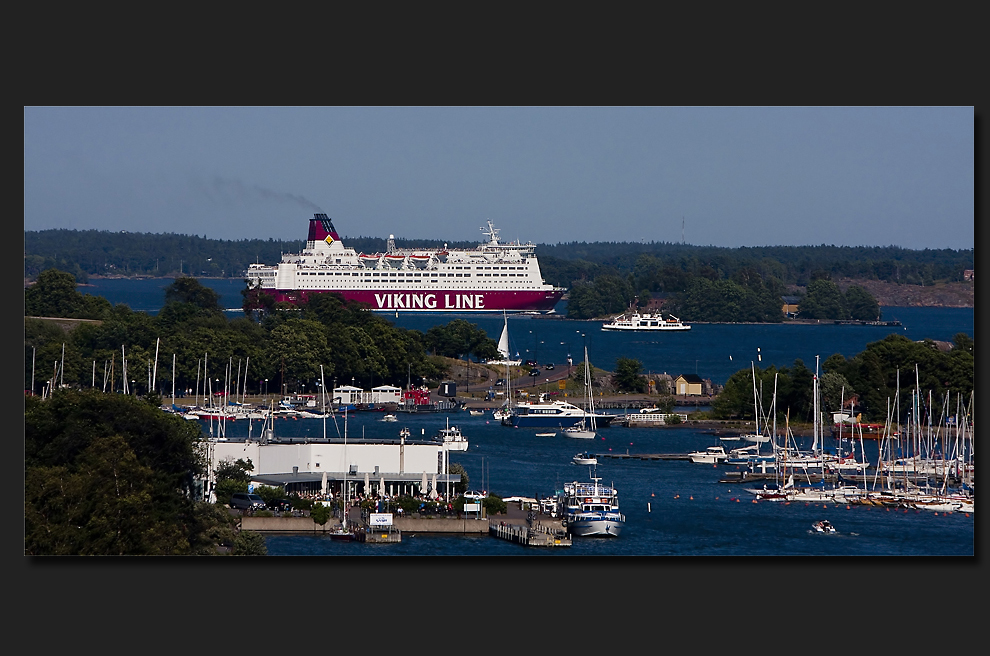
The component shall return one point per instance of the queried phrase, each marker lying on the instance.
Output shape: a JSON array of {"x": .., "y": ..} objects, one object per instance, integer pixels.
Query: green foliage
[
  {"x": 190, "y": 291},
  {"x": 728, "y": 301},
  {"x": 460, "y": 338},
  {"x": 55, "y": 295},
  {"x": 494, "y": 505},
  {"x": 627, "y": 376},
  {"x": 861, "y": 305},
  {"x": 269, "y": 493},
  {"x": 320, "y": 513},
  {"x": 109, "y": 474},
  {"x": 835, "y": 390},
  {"x": 823, "y": 300},
  {"x": 249, "y": 543},
  {"x": 890, "y": 364},
  {"x": 234, "y": 470},
  {"x": 300, "y": 503},
  {"x": 227, "y": 488},
  {"x": 461, "y": 486}
]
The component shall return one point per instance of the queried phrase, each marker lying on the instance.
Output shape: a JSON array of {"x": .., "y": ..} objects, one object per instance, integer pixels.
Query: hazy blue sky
[{"x": 749, "y": 176}]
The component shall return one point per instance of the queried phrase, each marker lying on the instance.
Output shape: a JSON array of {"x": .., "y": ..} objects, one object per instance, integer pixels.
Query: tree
[
  {"x": 191, "y": 291},
  {"x": 627, "y": 376},
  {"x": 109, "y": 474},
  {"x": 320, "y": 513},
  {"x": 861, "y": 305},
  {"x": 55, "y": 295},
  {"x": 462, "y": 485},
  {"x": 823, "y": 300}
]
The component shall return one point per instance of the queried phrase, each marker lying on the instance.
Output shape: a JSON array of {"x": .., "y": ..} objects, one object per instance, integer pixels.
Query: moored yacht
[{"x": 591, "y": 509}]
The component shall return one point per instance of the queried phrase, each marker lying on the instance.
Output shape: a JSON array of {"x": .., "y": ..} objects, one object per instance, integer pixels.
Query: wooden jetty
[{"x": 530, "y": 535}]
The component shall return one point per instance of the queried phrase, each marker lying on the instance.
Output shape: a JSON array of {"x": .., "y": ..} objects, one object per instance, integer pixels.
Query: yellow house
[{"x": 688, "y": 385}]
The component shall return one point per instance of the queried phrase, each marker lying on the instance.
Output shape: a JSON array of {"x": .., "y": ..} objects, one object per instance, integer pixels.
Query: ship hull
[{"x": 432, "y": 300}]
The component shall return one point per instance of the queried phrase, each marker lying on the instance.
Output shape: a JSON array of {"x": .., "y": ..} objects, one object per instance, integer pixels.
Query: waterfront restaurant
[{"x": 322, "y": 467}]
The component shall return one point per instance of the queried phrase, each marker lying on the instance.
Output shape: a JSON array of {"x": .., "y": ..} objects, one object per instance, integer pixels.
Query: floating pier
[
  {"x": 644, "y": 456},
  {"x": 536, "y": 535},
  {"x": 380, "y": 535}
]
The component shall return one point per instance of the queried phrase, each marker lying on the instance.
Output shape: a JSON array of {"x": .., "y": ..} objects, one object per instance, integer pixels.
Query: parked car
[
  {"x": 534, "y": 372},
  {"x": 548, "y": 366},
  {"x": 473, "y": 494},
  {"x": 245, "y": 501},
  {"x": 281, "y": 505}
]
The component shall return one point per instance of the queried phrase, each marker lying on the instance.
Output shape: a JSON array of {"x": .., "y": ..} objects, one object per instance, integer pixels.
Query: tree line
[
  {"x": 879, "y": 379},
  {"x": 285, "y": 344}
]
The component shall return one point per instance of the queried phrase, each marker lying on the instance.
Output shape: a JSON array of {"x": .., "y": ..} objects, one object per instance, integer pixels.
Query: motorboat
[
  {"x": 585, "y": 458},
  {"x": 551, "y": 434},
  {"x": 824, "y": 526},
  {"x": 711, "y": 455},
  {"x": 591, "y": 509},
  {"x": 476, "y": 413},
  {"x": 389, "y": 418},
  {"x": 554, "y": 413},
  {"x": 452, "y": 438}
]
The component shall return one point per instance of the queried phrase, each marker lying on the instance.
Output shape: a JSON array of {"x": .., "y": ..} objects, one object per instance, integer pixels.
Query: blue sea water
[
  {"x": 714, "y": 351},
  {"x": 673, "y": 508}
]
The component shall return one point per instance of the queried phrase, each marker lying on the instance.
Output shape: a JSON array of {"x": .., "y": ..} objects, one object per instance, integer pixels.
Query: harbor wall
[{"x": 404, "y": 524}]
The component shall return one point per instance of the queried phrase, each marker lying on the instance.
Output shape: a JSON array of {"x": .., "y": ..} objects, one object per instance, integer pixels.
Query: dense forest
[{"x": 696, "y": 283}]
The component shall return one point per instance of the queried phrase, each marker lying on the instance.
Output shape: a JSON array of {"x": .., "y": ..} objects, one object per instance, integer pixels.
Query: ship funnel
[{"x": 321, "y": 229}]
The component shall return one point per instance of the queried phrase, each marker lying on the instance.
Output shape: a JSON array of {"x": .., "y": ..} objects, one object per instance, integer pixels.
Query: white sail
[{"x": 503, "y": 341}]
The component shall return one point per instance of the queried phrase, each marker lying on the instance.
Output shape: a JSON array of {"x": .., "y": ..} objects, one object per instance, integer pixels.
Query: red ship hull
[{"x": 439, "y": 300}]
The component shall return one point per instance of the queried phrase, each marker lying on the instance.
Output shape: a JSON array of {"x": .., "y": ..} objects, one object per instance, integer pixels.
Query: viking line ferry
[{"x": 493, "y": 277}]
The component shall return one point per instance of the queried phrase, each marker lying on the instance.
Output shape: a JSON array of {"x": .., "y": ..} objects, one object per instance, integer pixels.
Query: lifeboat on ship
[
  {"x": 369, "y": 261},
  {"x": 420, "y": 261},
  {"x": 395, "y": 261}
]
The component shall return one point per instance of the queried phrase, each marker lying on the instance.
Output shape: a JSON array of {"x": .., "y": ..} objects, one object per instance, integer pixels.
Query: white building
[{"x": 300, "y": 465}]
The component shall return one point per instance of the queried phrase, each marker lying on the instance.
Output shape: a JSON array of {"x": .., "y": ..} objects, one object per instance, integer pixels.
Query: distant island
[{"x": 695, "y": 283}]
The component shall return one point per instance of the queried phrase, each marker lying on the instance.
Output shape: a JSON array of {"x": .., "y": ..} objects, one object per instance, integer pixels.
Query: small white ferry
[{"x": 637, "y": 322}]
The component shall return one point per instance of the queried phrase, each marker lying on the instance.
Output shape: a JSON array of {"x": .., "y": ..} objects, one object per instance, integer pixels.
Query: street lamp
[{"x": 266, "y": 390}]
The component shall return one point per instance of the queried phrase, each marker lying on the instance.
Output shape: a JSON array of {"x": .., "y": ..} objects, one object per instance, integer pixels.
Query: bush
[
  {"x": 298, "y": 503},
  {"x": 494, "y": 505},
  {"x": 320, "y": 514}
]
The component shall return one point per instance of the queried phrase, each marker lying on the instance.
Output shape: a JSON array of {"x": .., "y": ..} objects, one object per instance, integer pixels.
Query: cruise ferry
[
  {"x": 645, "y": 323},
  {"x": 493, "y": 277}
]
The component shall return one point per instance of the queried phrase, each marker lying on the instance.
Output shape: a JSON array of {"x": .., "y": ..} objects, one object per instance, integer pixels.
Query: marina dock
[
  {"x": 644, "y": 456},
  {"x": 530, "y": 534}
]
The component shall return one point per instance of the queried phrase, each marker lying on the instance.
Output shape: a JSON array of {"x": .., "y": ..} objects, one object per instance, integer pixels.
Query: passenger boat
[
  {"x": 585, "y": 458},
  {"x": 591, "y": 509},
  {"x": 645, "y": 323},
  {"x": 494, "y": 277}
]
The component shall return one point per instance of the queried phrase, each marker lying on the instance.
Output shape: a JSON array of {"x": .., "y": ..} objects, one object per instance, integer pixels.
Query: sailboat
[
  {"x": 503, "y": 345},
  {"x": 342, "y": 533},
  {"x": 581, "y": 430}
]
